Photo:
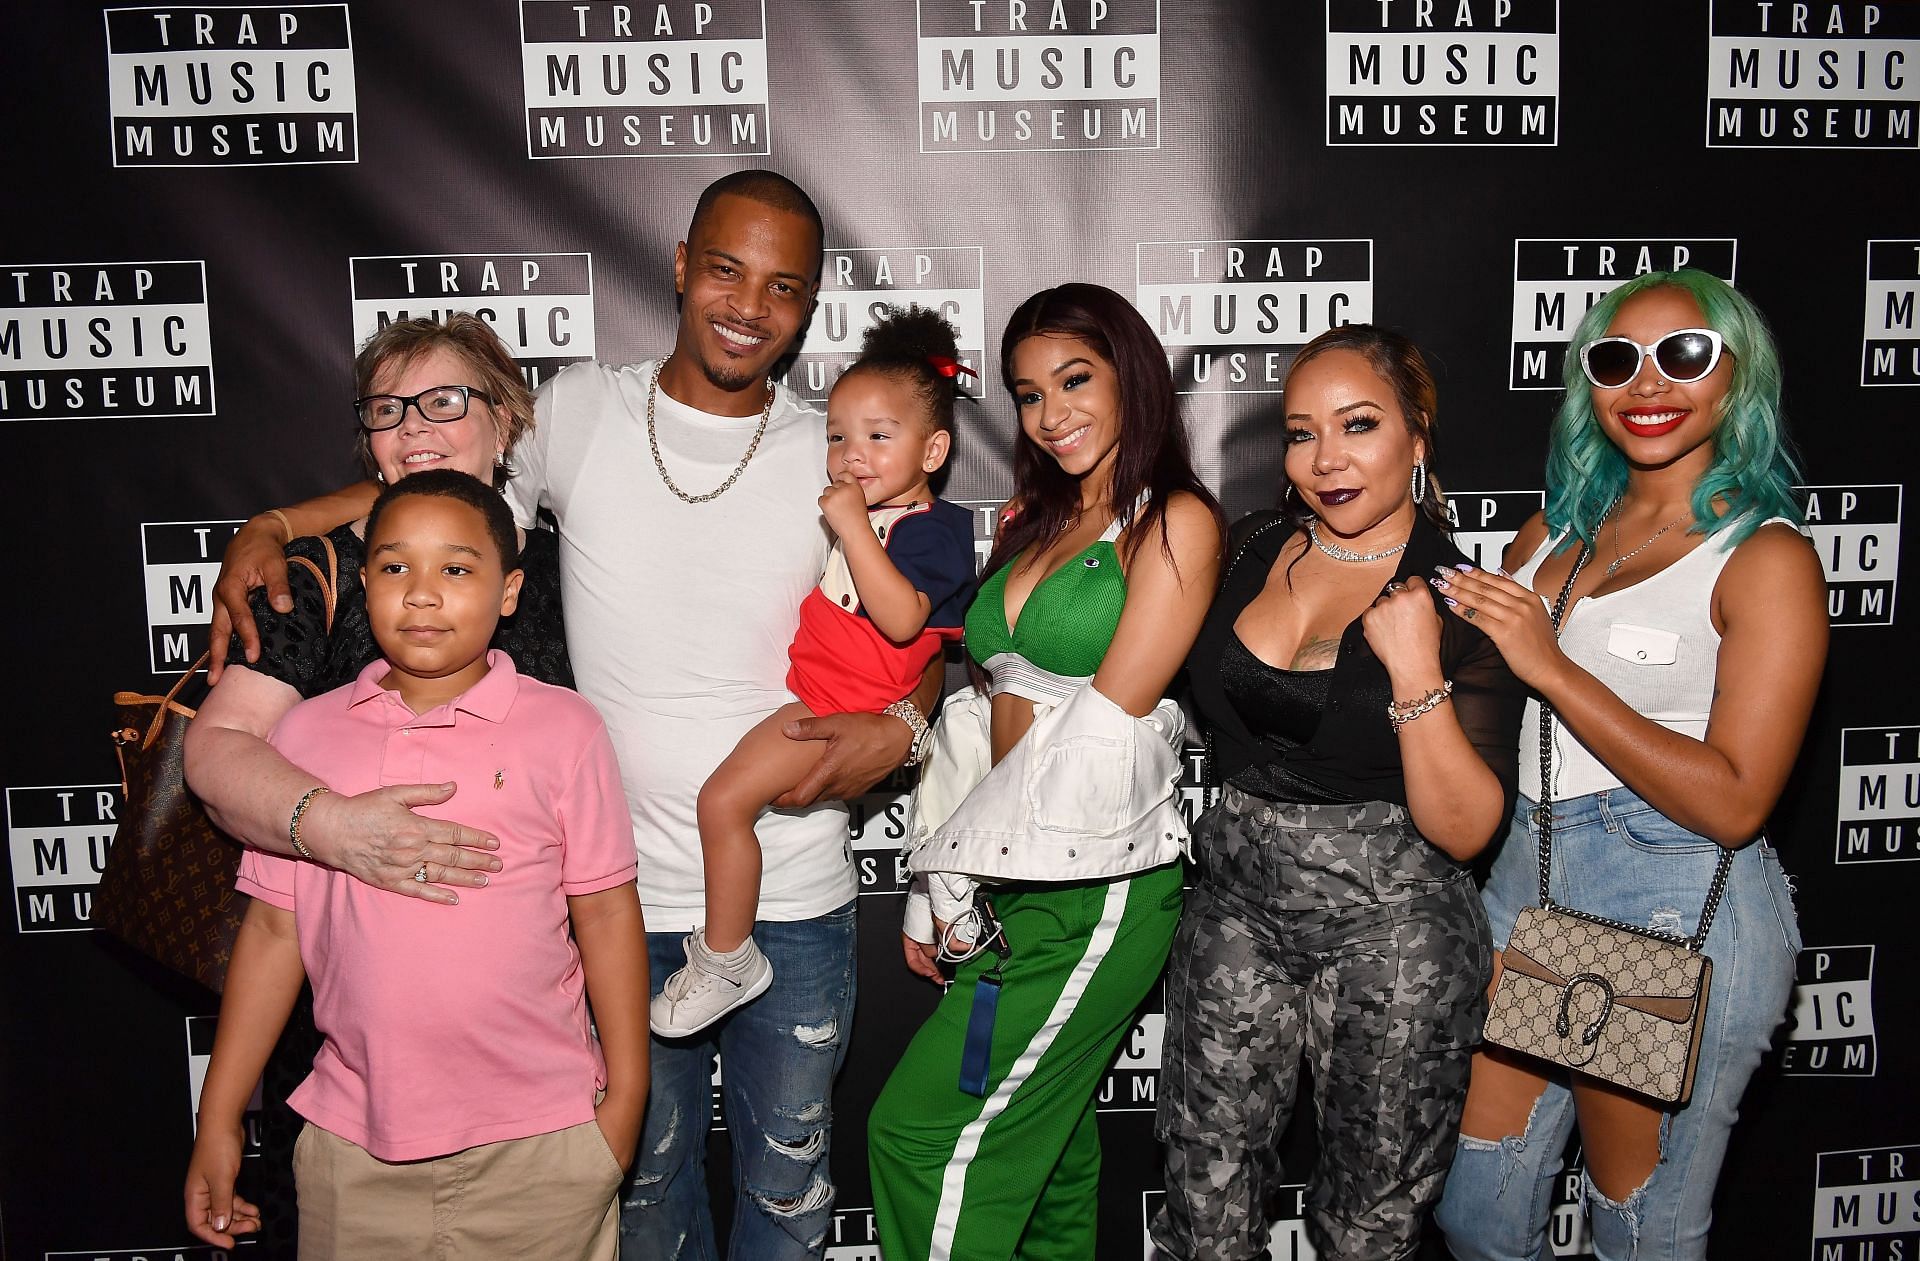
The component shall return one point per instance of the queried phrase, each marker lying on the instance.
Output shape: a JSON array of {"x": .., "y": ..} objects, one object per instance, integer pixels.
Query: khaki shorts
[{"x": 552, "y": 1197}]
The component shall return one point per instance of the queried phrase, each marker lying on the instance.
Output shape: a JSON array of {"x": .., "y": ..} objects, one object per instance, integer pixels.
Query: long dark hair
[{"x": 1153, "y": 454}]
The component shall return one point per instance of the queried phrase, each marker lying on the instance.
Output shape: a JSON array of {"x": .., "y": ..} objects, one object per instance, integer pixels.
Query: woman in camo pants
[{"x": 1367, "y": 749}]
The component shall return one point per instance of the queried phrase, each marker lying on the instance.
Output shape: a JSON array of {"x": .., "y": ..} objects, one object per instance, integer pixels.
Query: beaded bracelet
[
  {"x": 1400, "y": 713},
  {"x": 293, "y": 824}
]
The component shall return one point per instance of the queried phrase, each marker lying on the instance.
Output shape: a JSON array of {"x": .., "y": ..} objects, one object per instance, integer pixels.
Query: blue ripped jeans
[
  {"x": 1615, "y": 855},
  {"x": 779, "y": 1056}
]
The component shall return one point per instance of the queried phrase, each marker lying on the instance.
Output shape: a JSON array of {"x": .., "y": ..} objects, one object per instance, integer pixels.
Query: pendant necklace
[{"x": 1620, "y": 558}]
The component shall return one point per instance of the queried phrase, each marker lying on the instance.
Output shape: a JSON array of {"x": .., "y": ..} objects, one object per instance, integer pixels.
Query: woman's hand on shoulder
[{"x": 1509, "y": 614}]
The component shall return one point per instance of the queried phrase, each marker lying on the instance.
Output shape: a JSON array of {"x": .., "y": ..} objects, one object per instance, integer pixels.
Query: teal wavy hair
[{"x": 1754, "y": 464}]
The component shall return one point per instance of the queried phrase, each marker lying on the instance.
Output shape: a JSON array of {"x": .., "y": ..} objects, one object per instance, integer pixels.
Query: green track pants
[{"x": 1017, "y": 1174}]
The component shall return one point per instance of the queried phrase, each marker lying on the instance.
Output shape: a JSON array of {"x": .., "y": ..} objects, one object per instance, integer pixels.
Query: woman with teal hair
[{"x": 1680, "y": 686}]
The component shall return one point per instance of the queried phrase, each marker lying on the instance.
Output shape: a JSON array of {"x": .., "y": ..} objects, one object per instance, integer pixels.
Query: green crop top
[{"x": 1065, "y": 627}]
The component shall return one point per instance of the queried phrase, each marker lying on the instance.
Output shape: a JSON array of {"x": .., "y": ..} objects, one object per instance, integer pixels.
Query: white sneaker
[{"x": 706, "y": 989}]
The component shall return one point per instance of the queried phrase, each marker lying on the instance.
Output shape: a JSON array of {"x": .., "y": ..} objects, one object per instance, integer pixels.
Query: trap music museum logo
[
  {"x": 540, "y": 305},
  {"x": 876, "y": 829},
  {"x": 1879, "y": 795},
  {"x": 1024, "y": 75},
  {"x": 180, "y": 561},
  {"x": 1832, "y": 1033},
  {"x": 1443, "y": 72},
  {"x": 1485, "y": 521},
  {"x": 1856, "y": 530},
  {"x": 58, "y": 838},
  {"x": 1890, "y": 344},
  {"x": 1866, "y": 1204},
  {"x": 1813, "y": 76},
  {"x": 231, "y": 86},
  {"x": 104, "y": 341},
  {"x": 857, "y": 285},
  {"x": 853, "y": 1235},
  {"x": 1556, "y": 281},
  {"x": 1231, "y": 315},
  {"x": 645, "y": 80}
]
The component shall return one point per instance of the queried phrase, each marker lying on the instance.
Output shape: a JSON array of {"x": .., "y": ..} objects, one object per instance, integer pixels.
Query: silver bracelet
[
  {"x": 1400, "y": 713},
  {"x": 293, "y": 824}
]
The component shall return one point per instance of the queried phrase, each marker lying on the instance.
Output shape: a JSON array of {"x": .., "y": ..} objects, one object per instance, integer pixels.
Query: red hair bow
[{"x": 948, "y": 367}]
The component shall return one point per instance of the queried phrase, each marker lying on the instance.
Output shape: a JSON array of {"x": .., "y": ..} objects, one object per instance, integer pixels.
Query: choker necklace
[
  {"x": 653, "y": 441},
  {"x": 1347, "y": 554},
  {"x": 1620, "y": 559}
]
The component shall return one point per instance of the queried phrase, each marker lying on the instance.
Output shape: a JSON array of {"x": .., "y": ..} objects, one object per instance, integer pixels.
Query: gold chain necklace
[{"x": 653, "y": 442}]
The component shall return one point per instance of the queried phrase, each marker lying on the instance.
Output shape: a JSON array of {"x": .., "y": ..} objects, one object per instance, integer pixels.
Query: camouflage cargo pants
[{"x": 1332, "y": 934}]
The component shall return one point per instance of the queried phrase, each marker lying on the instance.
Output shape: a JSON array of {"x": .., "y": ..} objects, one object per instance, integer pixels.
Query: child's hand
[
  {"x": 619, "y": 1124},
  {"x": 214, "y": 1212},
  {"x": 844, "y": 504}
]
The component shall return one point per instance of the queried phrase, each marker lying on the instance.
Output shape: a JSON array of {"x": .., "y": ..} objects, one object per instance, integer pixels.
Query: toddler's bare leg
[{"x": 762, "y": 766}]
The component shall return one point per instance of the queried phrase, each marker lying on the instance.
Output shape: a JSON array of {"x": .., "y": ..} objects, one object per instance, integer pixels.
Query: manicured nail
[
  {"x": 1443, "y": 584},
  {"x": 1464, "y": 568},
  {"x": 1503, "y": 573},
  {"x": 1451, "y": 602}
]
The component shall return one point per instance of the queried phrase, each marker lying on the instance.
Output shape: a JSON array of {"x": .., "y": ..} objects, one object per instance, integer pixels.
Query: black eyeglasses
[
  {"x": 1682, "y": 357},
  {"x": 378, "y": 413}
]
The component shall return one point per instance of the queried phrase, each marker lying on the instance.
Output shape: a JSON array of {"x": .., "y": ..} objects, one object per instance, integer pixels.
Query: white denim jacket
[{"x": 1087, "y": 794}]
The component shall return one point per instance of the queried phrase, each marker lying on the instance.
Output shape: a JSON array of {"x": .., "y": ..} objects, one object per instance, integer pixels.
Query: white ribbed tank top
[{"x": 1652, "y": 643}]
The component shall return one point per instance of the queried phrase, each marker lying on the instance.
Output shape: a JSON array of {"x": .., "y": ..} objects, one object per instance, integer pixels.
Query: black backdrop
[{"x": 207, "y": 208}]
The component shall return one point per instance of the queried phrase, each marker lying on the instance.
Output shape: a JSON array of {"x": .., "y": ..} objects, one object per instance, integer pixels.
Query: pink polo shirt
[{"x": 451, "y": 1026}]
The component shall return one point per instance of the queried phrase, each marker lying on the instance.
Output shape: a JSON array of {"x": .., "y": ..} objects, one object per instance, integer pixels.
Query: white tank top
[{"x": 1653, "y": 644}]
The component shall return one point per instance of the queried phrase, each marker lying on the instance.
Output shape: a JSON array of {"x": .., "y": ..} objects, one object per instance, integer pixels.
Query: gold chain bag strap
[
  {"x": 1616, "y": 1002},
  {"x": 168, "y": 887}
]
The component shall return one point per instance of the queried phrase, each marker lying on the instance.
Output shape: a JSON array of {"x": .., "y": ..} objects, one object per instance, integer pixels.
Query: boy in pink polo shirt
[{"x": 461, "y": 1105}]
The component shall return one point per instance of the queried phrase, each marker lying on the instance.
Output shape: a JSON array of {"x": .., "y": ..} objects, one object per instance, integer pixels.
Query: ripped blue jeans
[
  {"x": 1615, "y": 855},
  {"x": 779, "y": 1055}
]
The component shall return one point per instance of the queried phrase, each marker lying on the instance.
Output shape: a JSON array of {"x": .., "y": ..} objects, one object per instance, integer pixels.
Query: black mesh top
[
  {"x": 1353, "y": 751},
  {"x": 296, "y": 648}
]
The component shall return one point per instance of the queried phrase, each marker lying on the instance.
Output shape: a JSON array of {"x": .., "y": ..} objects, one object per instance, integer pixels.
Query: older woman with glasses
[
  {"x": 1680, "y": 685},
  {"x": 433, "y": 394}
]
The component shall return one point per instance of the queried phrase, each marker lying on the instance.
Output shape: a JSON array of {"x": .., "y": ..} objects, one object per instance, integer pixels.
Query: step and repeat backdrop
[{"x": 211, "y": 206}]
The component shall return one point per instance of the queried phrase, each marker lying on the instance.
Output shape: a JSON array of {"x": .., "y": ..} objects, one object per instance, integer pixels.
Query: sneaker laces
[{"x": 694, "y": 979}]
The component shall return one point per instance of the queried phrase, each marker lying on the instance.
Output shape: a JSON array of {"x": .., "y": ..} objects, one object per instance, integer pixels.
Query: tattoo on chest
[{"x": 1316, "y": 654}]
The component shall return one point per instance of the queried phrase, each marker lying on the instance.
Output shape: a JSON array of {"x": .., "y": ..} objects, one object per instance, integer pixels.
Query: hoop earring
[{"x": 1420, "y": 482}]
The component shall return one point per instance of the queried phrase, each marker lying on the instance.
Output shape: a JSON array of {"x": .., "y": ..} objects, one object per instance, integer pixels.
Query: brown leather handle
[{"x": 166, "y": 702}]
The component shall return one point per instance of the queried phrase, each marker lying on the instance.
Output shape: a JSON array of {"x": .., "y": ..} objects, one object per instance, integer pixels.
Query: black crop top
[{"x": 1353, "y": 754}]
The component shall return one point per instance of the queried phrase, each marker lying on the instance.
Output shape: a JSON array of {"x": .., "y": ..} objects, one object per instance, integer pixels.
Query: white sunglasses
[{"x": 1682, "y": 357}]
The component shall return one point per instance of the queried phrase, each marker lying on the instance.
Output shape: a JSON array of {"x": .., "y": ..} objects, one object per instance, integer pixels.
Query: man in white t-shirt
[{"x": 685, "y": 491}]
